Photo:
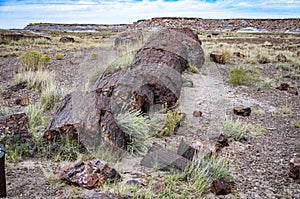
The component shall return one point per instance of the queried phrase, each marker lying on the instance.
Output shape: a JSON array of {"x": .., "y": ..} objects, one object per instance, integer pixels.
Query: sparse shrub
[
  {"x": 296, "y": 123},
  {"x": 59, "y": 56},
  {"x": 51, "y": 97},
  {"x": 94, "y": 55},
  {"x": 267, "y": 82},
  {"x": 172, "y": 119},
  {"x": 35, "y": 116},
  {"x": 42, "y": 41},
  {"x": 38, "y": 80},
  {"x": 137, "y": 128},
  {"x": 263, "y": 59},
  {"x": 257, "y": 130},
  {"x": 32, "y": 61},
  {"x": 241, "y": 75},
  {"x": 283, "y": 110},
  {"x": 65, "y": 148},
  {"x": 235, "y": 129}
]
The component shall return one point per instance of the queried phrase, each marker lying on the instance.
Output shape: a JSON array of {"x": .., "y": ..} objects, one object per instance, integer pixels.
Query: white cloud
[{"x": 128, "y": 11}]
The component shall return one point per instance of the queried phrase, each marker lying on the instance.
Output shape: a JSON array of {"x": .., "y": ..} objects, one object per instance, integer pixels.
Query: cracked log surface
[{"x": 153, "y": 78}]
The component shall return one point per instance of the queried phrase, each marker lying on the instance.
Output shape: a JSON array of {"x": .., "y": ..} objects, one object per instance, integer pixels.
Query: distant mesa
[{"x": 291, "y": 25}]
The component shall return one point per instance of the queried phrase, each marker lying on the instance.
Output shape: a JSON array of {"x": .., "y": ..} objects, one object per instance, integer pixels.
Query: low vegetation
[
  {"x": 171, "y": 122},
  {"x": 137, "y": 128},
  {"x": 59, "y": 56},
  {"x": 296, "y": 123},
  {"x": 37, "y": 80},
  {"x": 33, "y": 60},
  {"x": 242, "y": 75},
  {"x": 283, "y": 111}
]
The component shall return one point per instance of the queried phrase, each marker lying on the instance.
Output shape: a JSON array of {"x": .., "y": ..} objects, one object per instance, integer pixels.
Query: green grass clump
[
  {"x": 235, "y": 129},
  {"x": 94, "y": 55},
  {"x": 172, "y": 119},
  {"x": 33, "y": 60},
  {"x": 296, "y": 123},
  {"x": 59, "y": 56},
  {"x": 241, "y": 75},
  {"x": 51, "y": 97},
  {"x": 137, "y": 128},
  {"x": 283, "y": 110},
  {"x": 35, "y": 116}
]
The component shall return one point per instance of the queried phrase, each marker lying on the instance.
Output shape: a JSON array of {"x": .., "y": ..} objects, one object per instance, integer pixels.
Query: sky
[{"x": 19, "y": 13}]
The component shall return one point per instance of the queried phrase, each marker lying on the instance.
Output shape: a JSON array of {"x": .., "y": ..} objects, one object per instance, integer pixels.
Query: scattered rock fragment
[
  {"x": 164, "y": 159},
  {"x": 23, "y": 101},
  {"x": 67, "y": 39},
  {"x": 216, "y": 57},
  {"x": 14, "y": 126},
  {"x": 186, "y": 150},
  {"x": 221, "y": 142},
  {"x": 238, "y": 54},
  {"x": 242, "y": 111},
  {"x": 91, "y": 174},
  {"x": 286, "y": 87},
  {"x": 220, "y": 187},
  {"x": 197, "y": 114},
  {"x": 295, "y": 168}
]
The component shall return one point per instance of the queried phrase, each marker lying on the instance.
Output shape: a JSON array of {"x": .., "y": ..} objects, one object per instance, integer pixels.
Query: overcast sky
[{"x": 18, "y": 13}]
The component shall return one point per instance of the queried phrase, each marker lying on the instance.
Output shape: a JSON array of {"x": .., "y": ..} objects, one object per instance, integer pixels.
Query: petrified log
[
  {"x": 164, "y": 159},
  {"x": 14, "y": 126},
  {"x": 186, "y": 150},
  {"x": 91, "y": 174},
  {"x": 153, "y": 78},
  {"x": 87, "y": 115}
]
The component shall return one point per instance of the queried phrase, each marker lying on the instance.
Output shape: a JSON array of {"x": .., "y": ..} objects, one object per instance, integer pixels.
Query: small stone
[
  {"x": 295, "y": 168},
  {"x": 242, "y": 111},
  {"x": 197, "y": 114},
  {"x": 220, "y": 187}
]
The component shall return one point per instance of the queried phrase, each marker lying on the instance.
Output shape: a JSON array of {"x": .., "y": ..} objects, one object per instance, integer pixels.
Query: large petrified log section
[{"x": 154, "y": 78}]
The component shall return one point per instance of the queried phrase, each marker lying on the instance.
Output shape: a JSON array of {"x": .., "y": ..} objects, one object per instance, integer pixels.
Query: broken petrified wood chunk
[
  {"x": 23, "y": 101},
  {"x": 91, "y": 174},
  {"x": 164, "y": 159},
  {"x": 220, "y": 187},
  {"x": 292, "y": 91},
  {"x": 216, "y": 57},
  {"x": 86, "y": 115},
  {"x": 242, "y": 111},
  {"x": 283, "y": 87},
  {"x": 221, "y": 142},
  {"x": 186, "y": 150},
  {"x": 295, "y": 168},
  {"x": 14, "y": 126},
  {"x": 66, "y": 39},
  {"x": 197, "y": 114}
]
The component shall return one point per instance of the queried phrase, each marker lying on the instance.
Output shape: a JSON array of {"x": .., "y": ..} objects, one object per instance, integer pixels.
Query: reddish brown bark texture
[{"x": 153, "y": 78}]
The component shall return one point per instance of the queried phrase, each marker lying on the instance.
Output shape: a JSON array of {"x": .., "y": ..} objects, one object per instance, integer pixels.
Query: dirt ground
[{"x": 261, "y": 162}]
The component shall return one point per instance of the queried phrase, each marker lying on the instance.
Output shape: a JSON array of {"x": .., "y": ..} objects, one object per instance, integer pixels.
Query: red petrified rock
[
  {"x": 242, "y": 111},
  {"x": 220, "y": 187},
  {"x": 222, "y": 142},
  {"x": 295, "y": 168},
  {"x": 89, "y": 174}
]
